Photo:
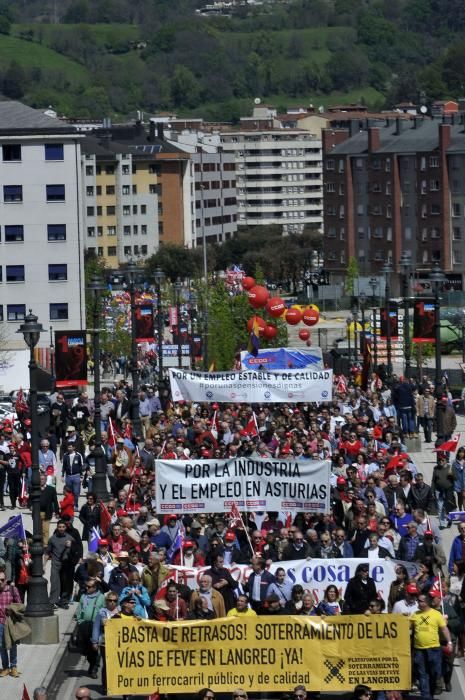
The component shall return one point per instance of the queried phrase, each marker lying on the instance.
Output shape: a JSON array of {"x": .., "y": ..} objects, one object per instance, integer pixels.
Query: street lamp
[
  {"x": 38, "y": 603},
  {"x": 349, "y": 349},
  {"x": 355, "y": 324},
  {"x": 132, "y": 277},
  {"x": 159, "y": 276},
  {"x": 99, "y": 480},
  {"x": 373, "y": 282},
  {"x": 362, "y": 300},
  {"x": 405, "y": 266},
  {"x": 177, "y": 297},
  {"x": 192, "y": 310},
  {"x": 386, "y": 270},
  {"x": 437, "y": 278}
]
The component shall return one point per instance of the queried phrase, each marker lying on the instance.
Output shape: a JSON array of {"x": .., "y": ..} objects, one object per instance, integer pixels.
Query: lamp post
[
  {"x": 177, "y": 296},
  {"x": 349, "y": 349},
  {"x": 373, "y": 282},
  {"x": 405, "y": 267},
  {"x": 52, "y": 360},
  {"x": 355, "y": 323},
  {"x": 375, "y": 339},
  {"x": 99, "y": 480},
  {"x": 132, "y": 276},
  {"x": 38, "y": 603},
  {"x": 362, "y": 300},
  {"x": 193, "y": 304},
  {"x": 386, "y": 270},
  {"x": 159, "y": 276},
  {"x": 437, "y": 278}
]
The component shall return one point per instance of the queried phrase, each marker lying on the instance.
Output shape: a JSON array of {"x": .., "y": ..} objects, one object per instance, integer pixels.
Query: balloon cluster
[{"x": 259, "y": 298}]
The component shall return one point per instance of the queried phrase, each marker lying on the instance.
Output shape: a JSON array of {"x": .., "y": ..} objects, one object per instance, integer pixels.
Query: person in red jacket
[{"x": 67, "y": 503}]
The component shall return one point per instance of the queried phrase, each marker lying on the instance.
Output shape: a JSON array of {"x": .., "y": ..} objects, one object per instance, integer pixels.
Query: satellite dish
[
  {"x": 321, "y": 109},
  {"x": 257, "y": 100},
  {"x": 423, "y": 109}
]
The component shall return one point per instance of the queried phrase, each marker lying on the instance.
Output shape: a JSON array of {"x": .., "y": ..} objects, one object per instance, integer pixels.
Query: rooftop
[{"x": 16, "y": 117}]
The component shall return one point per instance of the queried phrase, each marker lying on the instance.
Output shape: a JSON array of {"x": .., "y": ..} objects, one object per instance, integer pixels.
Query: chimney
[
  {"x": 444, "y": 137},
  {"x": 151, "y": 130},
  {"x": 374, "y": 141},
  {"x": 399, "y": 126},
  {"x": 160, "y": 131}
]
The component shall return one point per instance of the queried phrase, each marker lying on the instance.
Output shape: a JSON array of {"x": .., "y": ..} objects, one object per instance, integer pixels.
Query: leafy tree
[
  {"x": 5, "y": 25},
  {"x": 14, "y": 81},
  {"x": 184, "y": 87},
  {"x": 352, "y": 273}
]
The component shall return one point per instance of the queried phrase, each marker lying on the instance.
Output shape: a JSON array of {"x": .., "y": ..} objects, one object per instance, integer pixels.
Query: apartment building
[
  {"x": 214, "y": 175},
  {"x": 41, "y": 227},
  {"x": 138, "y": 193},
  {"x": 395, "y": 188},
  {"x": 278, "y": 177}
]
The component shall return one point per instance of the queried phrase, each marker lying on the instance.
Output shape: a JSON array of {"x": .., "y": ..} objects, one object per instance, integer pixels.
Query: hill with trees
[{"x": 103, "y": 58}]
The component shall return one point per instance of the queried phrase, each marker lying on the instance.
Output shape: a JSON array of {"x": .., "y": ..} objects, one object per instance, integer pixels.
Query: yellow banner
[{"x": 279, "y": 652}]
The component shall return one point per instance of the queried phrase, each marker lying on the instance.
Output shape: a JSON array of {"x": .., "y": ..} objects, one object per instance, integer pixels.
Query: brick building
[{"x": 394, "y": 188}]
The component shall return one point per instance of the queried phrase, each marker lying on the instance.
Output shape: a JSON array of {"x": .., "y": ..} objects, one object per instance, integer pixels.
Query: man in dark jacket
[
  {"x": 422, "y": 495},
  {"x": 48, "y": 507},
  {"x": 119, "y": 576},
  {"x": 60, "y": 551},
  {"x": 404, "y": 402},
  {"x": 258, "y": 582},
  {"x": 73, "y": 469},
  {"x": 298, "y": 548}
]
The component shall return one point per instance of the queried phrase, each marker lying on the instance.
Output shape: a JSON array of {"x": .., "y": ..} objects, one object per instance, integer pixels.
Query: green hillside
[{"x": 145, "y": 55}]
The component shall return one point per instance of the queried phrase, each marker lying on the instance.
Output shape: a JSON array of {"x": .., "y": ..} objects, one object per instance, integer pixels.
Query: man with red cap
[
  {"x": 409, "y": 604},
  {"x": 190, "y": 555}
]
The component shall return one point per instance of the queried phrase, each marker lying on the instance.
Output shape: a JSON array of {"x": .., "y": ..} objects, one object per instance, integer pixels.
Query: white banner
[
  {"x": 313, "y": 574},
  {"x": 213, "y": 486},
  {"x": 252, "y": 386}
]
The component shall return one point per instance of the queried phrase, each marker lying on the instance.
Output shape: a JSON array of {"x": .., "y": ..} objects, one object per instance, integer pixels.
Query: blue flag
[
  {"x": 14, "y": 528},
  {"x": 177, "y": 544},
  {"x": 93, "y": 539}
]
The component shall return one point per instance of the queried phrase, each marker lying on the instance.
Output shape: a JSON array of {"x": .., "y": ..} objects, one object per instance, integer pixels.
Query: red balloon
[
  {"x": 310, "y": 317},
  {"x": 248, "y": 282},
  {"x": 304, "y": 334},
  {"x": 270, "y": 331},
  {"x": 261, "y": 324},
  {"x": 258, "y": 296},
  {"x": 276, "y": 307},
  {"x": 293, "y": 317}
]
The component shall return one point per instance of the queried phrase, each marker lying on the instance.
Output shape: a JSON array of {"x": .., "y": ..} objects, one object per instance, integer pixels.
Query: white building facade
[
  {"x": 41, "y": 228},
  {"x": 278, "y": 177}
]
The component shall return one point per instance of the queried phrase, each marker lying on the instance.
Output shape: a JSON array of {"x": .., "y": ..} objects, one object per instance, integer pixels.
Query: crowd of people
[{"x": 381, "y": 508}]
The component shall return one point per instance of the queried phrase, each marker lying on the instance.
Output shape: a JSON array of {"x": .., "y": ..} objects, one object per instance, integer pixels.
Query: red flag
[
  {"x": 25, "y": 695},
  {"x": 154, "y": 696},
  {"x": 251, "y": 428},
  {"x": 171, "y": 576},
  {"x": 105, "y": 518},
  {"x": 289, "y": 519},
  {"x": 21, "y": 406},
  {"x": 396, "y": 460},
  {"x": 215, "y": 428},
  {"x": 341, "y": 385},
  {"x": 450, "y": 445},
  {"x": 236, "y": 517}
]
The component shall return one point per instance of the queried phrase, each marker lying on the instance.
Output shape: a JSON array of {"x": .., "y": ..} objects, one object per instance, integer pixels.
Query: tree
[
  {"x": 352, "y": 273},
  {"x": 184, "y": 87},
  {"x": 14, "y": 81}
]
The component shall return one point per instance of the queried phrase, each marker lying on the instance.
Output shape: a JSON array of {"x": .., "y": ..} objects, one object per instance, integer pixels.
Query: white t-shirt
[{"x": 404, "y": 608}]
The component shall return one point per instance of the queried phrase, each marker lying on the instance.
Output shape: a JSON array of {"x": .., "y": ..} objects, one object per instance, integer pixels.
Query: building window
[
  {"x": 91, "y": 251},
  {"x": 127, "y": 230},
  {"x": 136, "y": 250},
  {"x": 99, "y": 211},
  {"x": 434, "y": 185},
  {"x": 126, "y": 189},
  {"x": 15, "y": 312},
  {"x": 14, "y": 234},
  {"x": 12, "y": 193},
  {"x": 57, "y": 273},
  {"x": 143, "y": 249},
  {"x": 110, "y": 189},
  {"x": 135, "y": 230},
  {"x": 90, "y": 191},
  {"x": 434, "y": 162},
  {"x": 134, "y": 189},
  {"x": 109, "y": 169},
  {"x": 98, "y": 190},
  {"x": 91, "y": 231},
  {"x": 127, "y": 250},
  {"x": 330, "y": 164},
  {"x": 100, "y": 252},
  {"x": 456, "y": 257},
  {"x": 100, "y": 231},
  {"x": 143, "y": 230},
  {"x": 55, "y": 193},
  {"x": 457, "y": 234},
  {"x": 54, "y": 151},
  {"x": 11, "y": 152},
  {"x": 330, "y": 187},
  {"x": 331, "y": 232},
  {"x": 435, "y": 209},
  {"x": 111, "y": 250},
  {"x": 59, "y": 312},
  {"x": 111, "y": 211},
  {"x": 111, "y": 230},
  {"x": 90, "y": 211},
  {"x": 56, "y": 232},
  {"x": 126, "y": 210},
  {"x": 435, "y": 232},
  {"x": 15, "y": 273},
  {"x": 456, "y": 209},
  {"x": 360, "y": 209},
  {"x": 1, "y": 313},
  {"x": 134, "y": 209},
  {"x": 89, "y": 169},
  {"x": 125, "y": 169},
  {"x": 143, "y": 209}
]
